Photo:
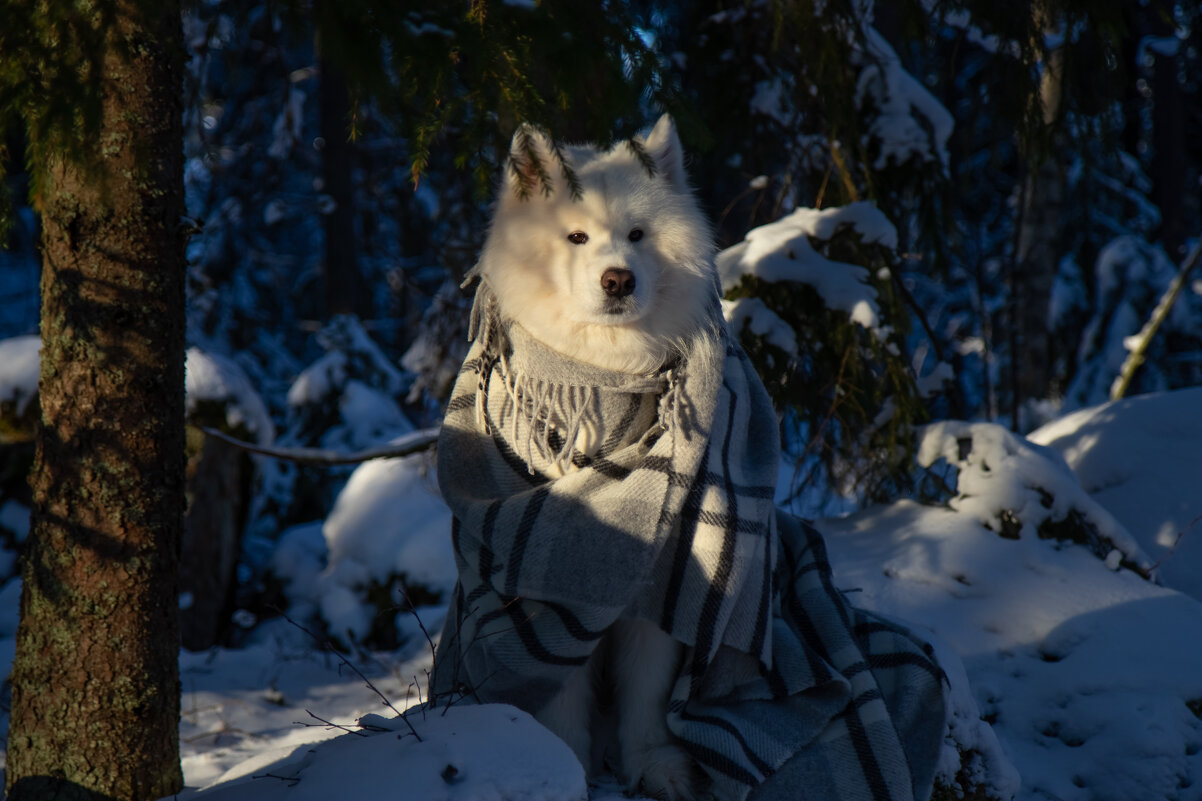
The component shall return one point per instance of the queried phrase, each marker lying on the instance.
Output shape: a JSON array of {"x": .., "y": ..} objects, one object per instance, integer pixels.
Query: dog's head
[{"x": 626, "y": 248}]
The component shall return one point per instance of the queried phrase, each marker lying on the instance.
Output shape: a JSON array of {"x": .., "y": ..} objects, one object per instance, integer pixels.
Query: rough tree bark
[{"x": 95, "y": 700}]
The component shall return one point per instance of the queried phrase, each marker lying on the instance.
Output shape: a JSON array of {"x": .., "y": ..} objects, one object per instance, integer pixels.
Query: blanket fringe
[{"x": 544, "y": 406}]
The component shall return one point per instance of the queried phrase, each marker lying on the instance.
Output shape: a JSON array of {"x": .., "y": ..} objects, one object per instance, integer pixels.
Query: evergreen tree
[{"x": 95, "y": 699}]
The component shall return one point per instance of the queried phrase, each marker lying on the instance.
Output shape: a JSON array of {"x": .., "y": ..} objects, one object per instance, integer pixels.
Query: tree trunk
[
  {"x": 95, "y": 700},
  {"x": 219, "y": 479}
]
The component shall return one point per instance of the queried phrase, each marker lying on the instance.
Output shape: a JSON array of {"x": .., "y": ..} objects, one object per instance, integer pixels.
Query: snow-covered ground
[
  {"x": 1030, "y": 577},
  {"x": 1089, "y": 674}
]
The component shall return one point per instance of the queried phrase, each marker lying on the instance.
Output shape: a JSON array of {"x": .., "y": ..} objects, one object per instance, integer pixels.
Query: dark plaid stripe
[
  {"x": 762, "y": 623},
  {"x": 732, "y": 522},
  {"x": 721, "y": 763},
  {"x": 719, "y": 584},
  {"x": 529, "y": 518},
  {"x": 681, "y": 556},
  {"x": 514, "y": 462},
  {"x": 755, "y": 491},
  {"x": 733, "y": 732},
  {"x": 459, "y": 403},
  {"x": 523, "y": 624},
  {"x": 870, "y": 768},
  {"x": 661, "y": 464}
]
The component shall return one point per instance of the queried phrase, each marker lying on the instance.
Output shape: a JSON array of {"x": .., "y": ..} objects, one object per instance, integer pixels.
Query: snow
[
  {"x": 388, "y": 521},
  {"x": 19, "y": 371},
  {"x": 359, "y": 381},
  {"x": 1004, "y": 477},
  {"x": 208, "y": 376},
  {"x": 781, "y": 251},
  {"x": 762, "y": 321},
  {"x": 212, "y": 377},
  {"x": 1084, "y": 672},
  {"x": 472, "y": 753},
  {"x": 900, "y": 98},
  {"x": 1139, "y": 457}
]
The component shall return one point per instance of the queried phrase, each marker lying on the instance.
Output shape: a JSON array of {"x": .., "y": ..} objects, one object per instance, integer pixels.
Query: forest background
[{"x": 1039, "y": 164}]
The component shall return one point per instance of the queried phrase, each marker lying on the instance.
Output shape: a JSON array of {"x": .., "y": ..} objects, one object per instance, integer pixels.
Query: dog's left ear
[{"x": 663, "y": 145}]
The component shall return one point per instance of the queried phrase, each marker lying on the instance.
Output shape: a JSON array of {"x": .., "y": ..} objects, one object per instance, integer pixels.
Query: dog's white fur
[{"x": 549, "y": 279}]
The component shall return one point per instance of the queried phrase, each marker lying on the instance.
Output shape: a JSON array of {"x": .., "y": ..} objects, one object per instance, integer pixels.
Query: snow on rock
[
  {"x": 781, "y": 251},
  {"x": 489, "y": 752},
  {"x": 1022, "y": 490},
  {"x": 1141, "y": 458},
  {"x": 212, "y": 377},
  {"x": 1085, "y": 674},
  {"x": 19, "y": 366}
]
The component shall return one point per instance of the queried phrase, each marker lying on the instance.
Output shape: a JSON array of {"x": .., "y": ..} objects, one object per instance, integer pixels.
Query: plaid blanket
[{"x": 581, "y": 495}]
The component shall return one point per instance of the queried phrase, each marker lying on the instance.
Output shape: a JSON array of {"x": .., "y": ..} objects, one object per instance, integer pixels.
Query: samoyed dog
[{"x": 617, "y": 272}]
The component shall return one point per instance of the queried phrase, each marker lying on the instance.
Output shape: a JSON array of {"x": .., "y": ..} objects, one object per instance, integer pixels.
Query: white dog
[{"x": 617, "y": 274}]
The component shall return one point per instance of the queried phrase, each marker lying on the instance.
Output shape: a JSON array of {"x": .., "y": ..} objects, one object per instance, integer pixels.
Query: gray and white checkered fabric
[{"x": 786, "y": 690}]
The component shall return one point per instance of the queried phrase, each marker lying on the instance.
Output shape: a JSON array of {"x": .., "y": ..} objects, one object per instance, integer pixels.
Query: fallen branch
[
  {"x": 1136, "y": 357},
  {"x": 409, "y": 444}
]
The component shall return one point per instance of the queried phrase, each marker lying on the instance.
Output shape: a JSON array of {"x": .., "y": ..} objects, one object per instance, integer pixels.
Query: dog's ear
[
  {"x": 663, "y": 145},
  {"x": 531, "y": 154}
]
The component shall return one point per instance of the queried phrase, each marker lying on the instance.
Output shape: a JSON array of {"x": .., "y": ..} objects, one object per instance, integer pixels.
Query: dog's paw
[{"x": 665, "y": 772}]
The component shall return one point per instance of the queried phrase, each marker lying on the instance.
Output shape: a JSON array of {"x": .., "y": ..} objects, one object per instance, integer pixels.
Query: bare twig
[
  {"x": 351, "y": 666},
  {"x": 405, "y": 446},
  {"x": 1136, "y": 357},
  {"x": 292, "y": 780},
  {"x": 420, "y": 624},
  {"x": 329, "y": 724}
]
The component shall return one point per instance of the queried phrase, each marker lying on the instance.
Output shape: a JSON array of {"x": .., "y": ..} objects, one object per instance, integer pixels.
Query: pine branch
[
  {"x": 1137, "y": 355},
  {"x": 640, "y": 152}
]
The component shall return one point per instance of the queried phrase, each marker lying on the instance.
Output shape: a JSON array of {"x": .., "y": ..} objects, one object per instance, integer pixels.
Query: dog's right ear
[{"x": 527, "y": 169}]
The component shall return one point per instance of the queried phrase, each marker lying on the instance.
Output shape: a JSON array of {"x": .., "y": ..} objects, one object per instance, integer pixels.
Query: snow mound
[
  {"x": 1089, "y": 677},
  {"x": 461, "y": 753},
  {"x": 1021, "y": 489},
  {"x": 1139, "y": 458}
]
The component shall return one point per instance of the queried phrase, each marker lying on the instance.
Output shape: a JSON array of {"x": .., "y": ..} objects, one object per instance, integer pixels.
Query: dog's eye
[
  {"x": 578, "y": 237},
  {"x": 635, "y": 234}
]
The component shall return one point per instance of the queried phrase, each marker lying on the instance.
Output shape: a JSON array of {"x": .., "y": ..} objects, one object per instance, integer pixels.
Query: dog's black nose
[{"x": 617, "y": 282}]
